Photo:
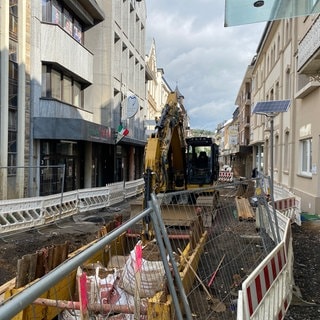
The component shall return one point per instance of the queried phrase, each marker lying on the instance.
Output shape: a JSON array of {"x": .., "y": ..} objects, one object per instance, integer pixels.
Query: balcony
[
  {"x": 50, "y": 108},
  {"x": 309, "y": 50},
  {"x": 56, "y": 46}
]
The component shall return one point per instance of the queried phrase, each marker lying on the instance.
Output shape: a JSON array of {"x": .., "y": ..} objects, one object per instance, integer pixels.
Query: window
[
  {"x": 59, "y": 86},
  {"x": 13, "y": 19},
  {"x": 56, "y": 85},
  {"x": 12, "y": 151},
  {"x": 13, "y": 94},
  {"x": 54, "y": 11},
  {"x": 67, "y": 22},
  {"x": 286, "y": 152},
  {"x": 306, "y": 156},
  {"x": 276, "y": 152},
  {"x": 13, "y": 51},
  {"x": 67, "y": 90},
  {"x": 287, "y": 84},
  {"x": 77, "y": 94},
  {"x": 77, "y": 31},
  {"x": 13, "y": 103}
]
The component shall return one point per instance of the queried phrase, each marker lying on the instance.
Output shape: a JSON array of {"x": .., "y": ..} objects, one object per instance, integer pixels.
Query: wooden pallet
[{"x": 245, "y": 211}]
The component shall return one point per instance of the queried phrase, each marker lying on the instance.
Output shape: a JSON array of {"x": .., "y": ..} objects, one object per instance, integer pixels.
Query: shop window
[{"x": 286, "y": 152}]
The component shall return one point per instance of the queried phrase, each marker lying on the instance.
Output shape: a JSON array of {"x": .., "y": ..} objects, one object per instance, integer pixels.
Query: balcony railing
[{"x": 308, "y": 46}]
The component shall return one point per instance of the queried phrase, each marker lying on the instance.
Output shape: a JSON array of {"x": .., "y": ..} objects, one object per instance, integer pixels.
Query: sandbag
[{"x": 152, "y": 273}]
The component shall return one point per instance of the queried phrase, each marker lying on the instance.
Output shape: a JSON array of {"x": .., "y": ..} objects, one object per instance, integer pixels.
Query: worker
[{"x": 202, "y": 161}]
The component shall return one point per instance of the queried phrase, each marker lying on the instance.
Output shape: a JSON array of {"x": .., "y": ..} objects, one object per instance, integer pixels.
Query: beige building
[
  {"x": 306, "y": 179},
  {"x": 286, "y": 68},
  {"x": 243, "y": 150},
  {"x": 157, "y": 90},
  {"x": 272, "y": 79}
]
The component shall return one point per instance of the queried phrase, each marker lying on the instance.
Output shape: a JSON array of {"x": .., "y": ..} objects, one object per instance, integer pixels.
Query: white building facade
[{"x": 72, "y": 66}]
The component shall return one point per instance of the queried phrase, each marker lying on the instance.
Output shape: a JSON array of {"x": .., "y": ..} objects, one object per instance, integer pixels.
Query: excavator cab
[{"x": 202, "y": 161}]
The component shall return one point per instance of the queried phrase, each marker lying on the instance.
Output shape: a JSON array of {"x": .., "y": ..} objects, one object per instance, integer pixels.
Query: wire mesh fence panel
[
  {"x": 210, "y": 236},
  {"x": 52, "y": 180},
  {"x": 33, "y": 181},
  {"x": 234, "y": 244}
]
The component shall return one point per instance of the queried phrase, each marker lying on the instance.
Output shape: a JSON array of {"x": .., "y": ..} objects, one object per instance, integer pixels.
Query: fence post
[{"x": 162, "y": 238}]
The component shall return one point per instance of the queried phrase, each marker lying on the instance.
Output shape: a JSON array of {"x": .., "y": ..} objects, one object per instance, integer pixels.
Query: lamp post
[
  {"x": 270, "y": 109},
  {"x": 271, "y": 116}
]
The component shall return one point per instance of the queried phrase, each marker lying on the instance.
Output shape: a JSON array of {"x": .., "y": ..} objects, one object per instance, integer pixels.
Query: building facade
[
  {"x": 272, "y": 80},
  {"x": 72, "y": 66},
  {"x": 306, "y": 179},
  {"x": 15, "y": 104},
  {"x": 286, "y": 68},
  {"x": 243, "y": 150},
  {"x": 157, "y": 90}
]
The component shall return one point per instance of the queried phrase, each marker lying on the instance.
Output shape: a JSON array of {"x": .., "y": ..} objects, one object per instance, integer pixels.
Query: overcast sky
[{"x": 206, "y": 60}]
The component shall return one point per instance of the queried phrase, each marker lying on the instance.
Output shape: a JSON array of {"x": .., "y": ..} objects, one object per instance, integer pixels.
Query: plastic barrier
[
  {"x": 93, "y": 199},
  {"x": 225, "y": 176},
  {"x": 132, "y": 188},
  {"x": 290, "y": 208},
  {"x": 267, "y": 292},
  {"x": 20, "y": 214}
]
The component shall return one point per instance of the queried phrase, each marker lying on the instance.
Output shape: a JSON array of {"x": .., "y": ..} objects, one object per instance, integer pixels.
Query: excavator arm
[{"x": 165, "y": 149}]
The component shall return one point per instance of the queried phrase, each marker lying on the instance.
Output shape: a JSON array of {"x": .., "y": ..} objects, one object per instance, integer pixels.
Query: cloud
[{"x": 206, "y": 60}]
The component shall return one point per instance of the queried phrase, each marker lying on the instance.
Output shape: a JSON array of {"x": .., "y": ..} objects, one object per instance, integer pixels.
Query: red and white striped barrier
[
  {"x": 267, "y": 292},
  {"x": 284, "y": 204},
  {"x": 290, "y": 208},
  {"x": 261, "y": 283},
  {"x": 225, "y": 176}
]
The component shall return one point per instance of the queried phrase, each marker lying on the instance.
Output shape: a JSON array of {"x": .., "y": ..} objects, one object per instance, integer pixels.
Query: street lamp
[
  {"x": 271, "y": 116},
  {"x": 270, "y": 109}
]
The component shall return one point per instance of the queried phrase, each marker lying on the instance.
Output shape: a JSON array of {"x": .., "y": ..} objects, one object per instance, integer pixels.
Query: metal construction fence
[
  {"x": 37, "y": 180},
  {"x": 267, "y": 292},
  {"x": 227, "y": 261}
]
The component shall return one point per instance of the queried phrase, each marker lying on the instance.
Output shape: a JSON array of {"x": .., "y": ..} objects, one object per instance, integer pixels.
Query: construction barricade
[{"x": 225, "y": 176}]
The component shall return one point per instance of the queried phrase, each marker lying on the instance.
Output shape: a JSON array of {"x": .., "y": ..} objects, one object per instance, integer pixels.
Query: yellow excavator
[
  {"x": 178, "y": 162},
  {"x": 174, "y": 162}
]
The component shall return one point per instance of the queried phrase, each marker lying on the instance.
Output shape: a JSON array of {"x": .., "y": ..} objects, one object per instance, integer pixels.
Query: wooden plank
[{"x": 245, "y": 211}]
